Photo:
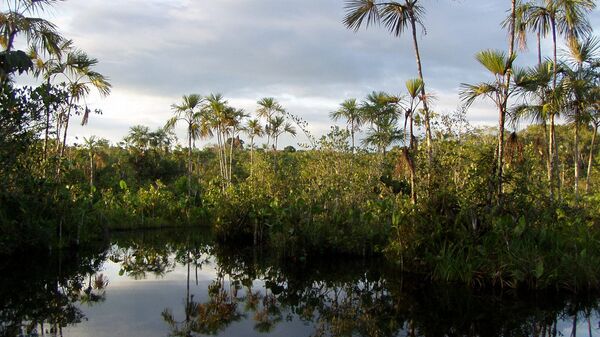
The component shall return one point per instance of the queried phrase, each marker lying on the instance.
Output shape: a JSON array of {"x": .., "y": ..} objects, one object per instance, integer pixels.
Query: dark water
[{"x": 175, "y": 283}]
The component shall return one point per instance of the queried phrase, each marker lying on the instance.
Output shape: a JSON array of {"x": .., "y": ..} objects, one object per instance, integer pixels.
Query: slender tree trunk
[
  {"x": 590, "y": 160},
  {"x": 412, "y": 134},
  {"x": 547, "y": 154},
  {"x": 500, "y": 153},
  {"x": 539, "y": 48},
  {"x": 221, "y": 160},
  {"x": 91, "y": 171},
  {"x": 11, "y": 40},
  {"x": 576, "y": 155},
  {"x": 231, "y": 156},
  {"x": 46, "y": 131},
  {"x": 64, "y": 140},
  {"x": 504, "y": 104},
  {"x": 352, "y": 135},
  {"x": 189, "y": 168},
  {"x": 423, "y": 93},
  {"x": 251, "y": 155},
  {"x": 553, "y": 145}
]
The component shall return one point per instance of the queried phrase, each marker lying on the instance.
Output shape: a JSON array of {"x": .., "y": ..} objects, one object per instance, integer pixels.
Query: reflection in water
[
  {"x": 38, "y": 298},
  {"x": 250, "y": 293}
]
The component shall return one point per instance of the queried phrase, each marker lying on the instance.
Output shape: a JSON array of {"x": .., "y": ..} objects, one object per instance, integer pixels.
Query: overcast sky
[{"x": 298, "y": 51}]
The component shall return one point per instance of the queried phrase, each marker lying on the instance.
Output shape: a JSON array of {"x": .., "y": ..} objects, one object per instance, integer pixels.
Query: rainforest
[{"x": 398, "y": 219}]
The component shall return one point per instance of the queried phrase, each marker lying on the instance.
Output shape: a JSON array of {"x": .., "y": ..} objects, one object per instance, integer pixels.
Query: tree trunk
[
  {"x": 231, "y": 155},
  {"x": 590, "y": 160},
  {"x": 576, "y": 155},
  {"x": 500, "y": 153},
  {"x": 553, "y": 147},
  {"x": 504, "y": 104},
  {"x": 547, "y": 156},
  {"x": 412, "y": 137},
  {"x": 539, "y": 48},
  {"x": 91, "y": 171},
  {"x": 46, "y": 131},
  {"x": 251, "y": 155},
  {"x": 64, "y": 144},
  {"x": 352, "y": 135},
  {"x": 189, "y": 161},
  {"x": 423, "y": 93}
]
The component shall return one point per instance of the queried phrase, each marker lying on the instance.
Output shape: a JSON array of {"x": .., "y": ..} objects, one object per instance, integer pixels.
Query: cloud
[{"x": 299, "y": 51}]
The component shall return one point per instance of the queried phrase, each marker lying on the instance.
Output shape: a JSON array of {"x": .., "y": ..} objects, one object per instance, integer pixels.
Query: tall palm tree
[
  {"x": 91, "y": 144},
  {"x": 279, "y": 126},
  {"x": 567, "y": 18},
  {"x": 50, "y": 67},
  {"x": 534, "y": 89},
  {"x": 77, "y": 70},
  {"x": 233, "y": 122},
  {"x": 497, "y": 63},
  {"x": 215, "y": 109},
  {"x": 226, "y": 122},
  {"x": 579, "y": 83},
  {"x": 253, "y": 129},
  {"x": 268, "y": 108},
  {"x": 349, "y": 110},
  {"x": 397, "y": 17},
  {"x": 380, "y": 111},
  {"x": 17, "y": 20},
  {"x": 594, "y": 114},
  {"x": 189, "y": 112},
  {"x": 413, "y": 86}
]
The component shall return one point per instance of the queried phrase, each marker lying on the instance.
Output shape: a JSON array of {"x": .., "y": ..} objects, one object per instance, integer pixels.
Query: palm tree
[
  {"x": 278, "y": 126},
  {"x": 233, "y": 122},
  {"x": 567, "y": 18},
  {"x": 188, "y": 111},
  {"x": 413, "y": 86},
  {"x": 253, "y": 129},
  {"x": 268, "y": 108},
  {"x": 350, "y": 110},
  {"x": 534, "y": 88},
  {"x": 396, "y": 17},
  {"x": 138, "y": 137},
  {"x": 498, "y": 64},
  {"x": 379, "y": 110},
  {"x": 579, "y": 83},
  {"x": 38, "y": 32},
  {"x": 218, "y": 118},
  {"x": 594, "y": 114},
  {"x": 49, "y": 68},
  {"x": 91, "y": 143},
  {"x": 77, "y": 69}
]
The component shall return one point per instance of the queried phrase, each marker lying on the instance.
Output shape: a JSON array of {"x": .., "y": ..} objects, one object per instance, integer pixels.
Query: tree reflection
[
  {"x": 368, "y": 298},
  {"x": 137, "y": 261},
  {"x": 338, "y": 297},
  {"x": 43, "y": 298},
  {"x": 209, "y": 317}
]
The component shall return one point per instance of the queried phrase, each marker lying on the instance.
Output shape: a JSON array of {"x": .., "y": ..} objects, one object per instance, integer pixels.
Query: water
[{"x": 177, "y": 283}]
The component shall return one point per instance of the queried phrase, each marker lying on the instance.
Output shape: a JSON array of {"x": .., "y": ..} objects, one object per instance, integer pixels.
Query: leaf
[
  {"x": 123, "y": 184},
  {"x": 539, "y": 269},
  {"x": 518, "y": 231}
]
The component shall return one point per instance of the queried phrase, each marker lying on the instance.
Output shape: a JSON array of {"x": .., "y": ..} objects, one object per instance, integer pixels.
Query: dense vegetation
[{"x": 483, "y": 206}]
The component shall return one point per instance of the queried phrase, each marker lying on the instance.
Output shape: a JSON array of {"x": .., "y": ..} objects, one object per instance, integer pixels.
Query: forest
[{"x": 498, "y": 207}]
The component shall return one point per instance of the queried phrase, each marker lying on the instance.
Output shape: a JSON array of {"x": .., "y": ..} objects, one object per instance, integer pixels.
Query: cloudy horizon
[{"x": 299, "y": 52}]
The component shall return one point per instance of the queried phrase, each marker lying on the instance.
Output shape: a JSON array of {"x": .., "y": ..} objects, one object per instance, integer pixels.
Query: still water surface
[{"x": 174, "y": 283}]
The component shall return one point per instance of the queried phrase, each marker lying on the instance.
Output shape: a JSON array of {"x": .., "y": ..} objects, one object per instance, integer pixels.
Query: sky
[{"x": 298, "y": 51}]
